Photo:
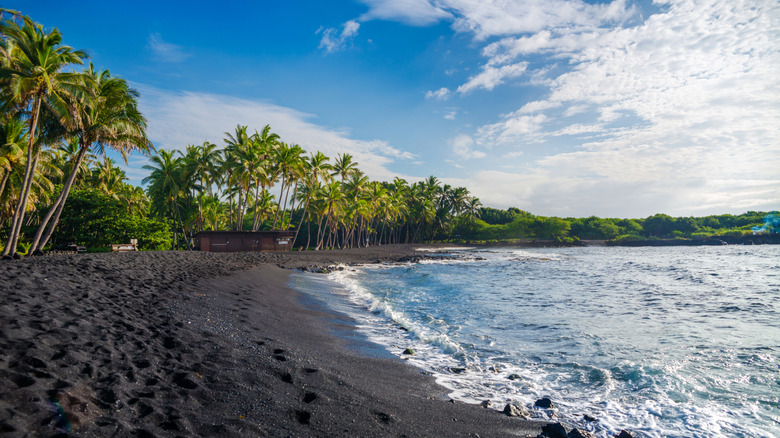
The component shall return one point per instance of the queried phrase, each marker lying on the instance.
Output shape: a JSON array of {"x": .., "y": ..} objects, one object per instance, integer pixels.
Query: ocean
[{"x": 664, "y": 342}]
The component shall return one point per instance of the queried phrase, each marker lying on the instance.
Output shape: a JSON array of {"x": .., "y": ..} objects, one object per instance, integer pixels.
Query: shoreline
[{"x": 200, "y": 344}]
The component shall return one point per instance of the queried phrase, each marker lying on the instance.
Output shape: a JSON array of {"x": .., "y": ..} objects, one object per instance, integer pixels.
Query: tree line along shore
[{"x": 59, "y": 187}]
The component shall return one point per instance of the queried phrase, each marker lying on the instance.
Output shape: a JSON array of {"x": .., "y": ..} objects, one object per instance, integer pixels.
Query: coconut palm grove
[{"x": 60, "y": 117}]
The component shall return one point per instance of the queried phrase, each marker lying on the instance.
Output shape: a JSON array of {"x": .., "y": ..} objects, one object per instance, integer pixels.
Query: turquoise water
[{"x": 681, "y": 341}]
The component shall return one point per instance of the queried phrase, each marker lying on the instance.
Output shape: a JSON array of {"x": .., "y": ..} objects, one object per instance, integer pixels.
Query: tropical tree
[
  {"x": 67, "y": 152},
  {"x": 203, "y": 162},
  {"x": 289, "y": 164},
  {"x": 315, "y": 168},
  {"x": 332, "y": 196},
  {"x": 13, "y": 140},
  {"x": 265, "y": 176},
  {"x": 32, "y": 79},
  {"x": 344, "y": 166},
  {"x": 108, "y": 117},
  {"x": 244, "y": 158},
  {"x": 165, "y": 185}
]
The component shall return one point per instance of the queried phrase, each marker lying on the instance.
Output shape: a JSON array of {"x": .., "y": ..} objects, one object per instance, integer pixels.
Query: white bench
[{"x": 132, "y": 246}]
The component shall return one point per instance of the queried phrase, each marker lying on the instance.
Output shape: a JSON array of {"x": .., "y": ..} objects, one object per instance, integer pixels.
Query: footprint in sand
[{"x": 303, "y": 417}]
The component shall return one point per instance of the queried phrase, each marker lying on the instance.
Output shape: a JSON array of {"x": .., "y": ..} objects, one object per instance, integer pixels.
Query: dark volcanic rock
[
  {"x": 576, "y": 433},
  {"x": 544, "y": 403},
  {"x": 624, "y": 434},
  {"x": 554, "y": 430}
]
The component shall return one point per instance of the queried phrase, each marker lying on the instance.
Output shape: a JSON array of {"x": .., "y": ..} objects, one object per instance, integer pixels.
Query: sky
[{"x": 564, "y": 108}]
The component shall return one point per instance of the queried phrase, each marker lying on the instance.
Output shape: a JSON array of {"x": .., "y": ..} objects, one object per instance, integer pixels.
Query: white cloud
[
  {"x": 334, "y": 40},
  {"x": 164, "y": 51},
  {"x": 463, "y": 146},
  {"x": 454, "y": 164},
  {"x": 537, "y": 106},
  {"x": 678, "y": 114},
  {"x": 414, "y": 12},
  {"x": 675, "y": 113},
  {"x": 514, "y": 128},
  {"x": 441, "y": 94},
  {"x": 177, "y": 119},
  {"x": 490, "y": 77},
  {"x": 490, "y": 18}
]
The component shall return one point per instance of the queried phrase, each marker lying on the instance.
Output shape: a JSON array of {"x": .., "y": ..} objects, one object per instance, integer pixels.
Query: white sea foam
[{"x": 444, "y": 249}]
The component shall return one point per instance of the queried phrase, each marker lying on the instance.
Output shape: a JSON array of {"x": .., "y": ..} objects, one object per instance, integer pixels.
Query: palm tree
[
  {"x": 32, "y": 76},
  {"x": 41, "y": 187},
  {"x": 67, "y": 151},
  {"x": 355, "y": 189},
  {"x": 267, "y": 144},
  {"x": 135, "y": 199},
  {"x": 108, "y": 178},
  {"x": 290, "y": 166},
  {"x": 378, "y": 198},
  {"x": 473, "y": 208},
  {"x": 108, "y": 117},
  {"x": 331, "y": 198},
  {"x": 214, "y": 214},
  {"x": 472, "y": 211},
  {"x": 245, "y": 159},
  {"x": 458, "y": 200},
  {"x": 344, "y": 166},
  {"x": 264, "y": 208},
  {"x": 165, "y": 183},
  {"x": 317, "y": 166},
  {"x": 12, "y": 144},
  {"x": 203, "y": 162}
]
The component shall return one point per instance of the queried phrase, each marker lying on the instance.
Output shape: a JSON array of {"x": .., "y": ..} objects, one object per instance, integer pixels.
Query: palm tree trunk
[
  {"x": 282, "y": 226},
  {"x": 255, "y": 223},
  {"x": 303, "y": 216},
  {"x": 200, "y": 205},
  {"x": 292, "y": 205},
  {"x": 320, "y": 237},
  {"x": 175, "y": 241},
  {"x": 56, "y": 209},
  {"x": 5, "y": 179},
  {"x": 240, "y": 212},
  {"x": 29, "y": 172},
  {"x": 276, "y": 214},
  {"x": 308, "y": 236},
  {"x": 21, "y": 210},
  {"x": 181, "y": 224}
]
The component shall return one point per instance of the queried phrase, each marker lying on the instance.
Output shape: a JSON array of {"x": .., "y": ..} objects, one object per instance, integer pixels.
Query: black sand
[{"x": 200, "y": 344}]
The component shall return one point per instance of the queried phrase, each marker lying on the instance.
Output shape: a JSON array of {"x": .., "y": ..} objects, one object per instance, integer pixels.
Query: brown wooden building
[{"x": 234, "y": 241}]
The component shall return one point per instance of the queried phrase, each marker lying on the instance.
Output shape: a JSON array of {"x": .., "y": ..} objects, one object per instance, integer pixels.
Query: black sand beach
[{"x": 201, "y": 344}]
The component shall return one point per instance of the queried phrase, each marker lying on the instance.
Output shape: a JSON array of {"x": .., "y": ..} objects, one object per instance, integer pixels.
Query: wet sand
[{"x": 202, "y": 344}]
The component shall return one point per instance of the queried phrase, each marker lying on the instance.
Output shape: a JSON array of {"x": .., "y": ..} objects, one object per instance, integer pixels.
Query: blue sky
[{"x": 559, "y": 107}]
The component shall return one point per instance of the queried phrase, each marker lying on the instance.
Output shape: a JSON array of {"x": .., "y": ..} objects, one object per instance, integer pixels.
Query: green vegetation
[
  {"x": 513, "y": 224},
  {"x": 95, "y": 219},
  {"x": 51, "y": 119},
  {"x": 330, "y": 205}
]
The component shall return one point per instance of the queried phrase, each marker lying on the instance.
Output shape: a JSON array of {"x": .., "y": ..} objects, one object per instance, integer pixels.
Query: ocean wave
[{"x": 629, "y": 337}]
